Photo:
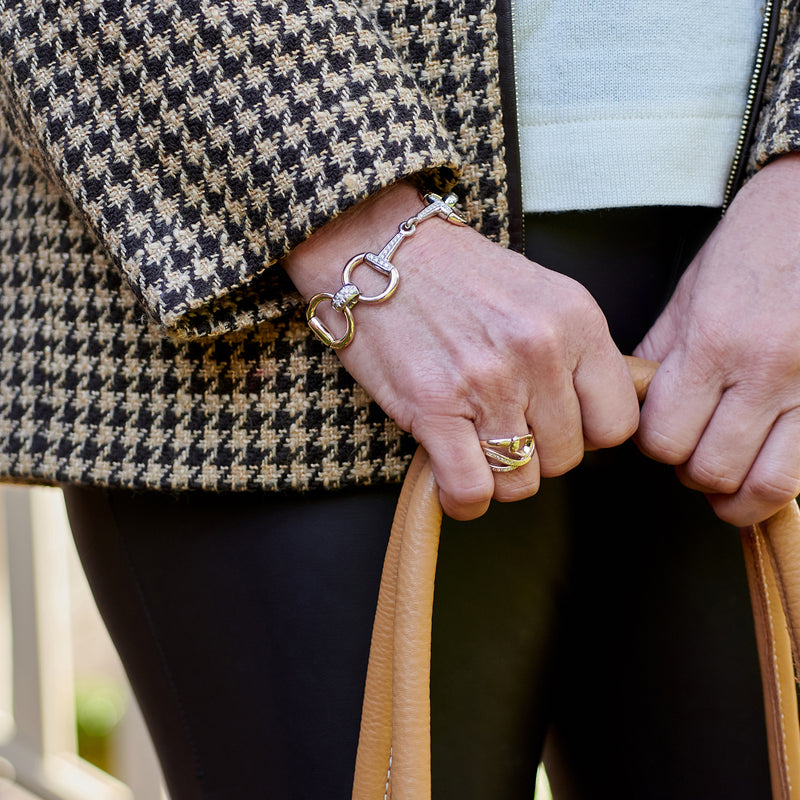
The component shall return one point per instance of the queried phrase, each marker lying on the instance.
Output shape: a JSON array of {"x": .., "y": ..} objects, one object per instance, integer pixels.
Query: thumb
[{"x": 660, "y": 339}]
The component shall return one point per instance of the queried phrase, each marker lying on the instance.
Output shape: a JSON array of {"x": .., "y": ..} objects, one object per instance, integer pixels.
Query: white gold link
[
  {"x": 349, "y": 294},
  {"x": 389, "y": 270}
]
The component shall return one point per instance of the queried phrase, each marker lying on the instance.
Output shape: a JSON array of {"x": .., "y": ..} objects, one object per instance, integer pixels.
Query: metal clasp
[{"x": 321, "y": 330}]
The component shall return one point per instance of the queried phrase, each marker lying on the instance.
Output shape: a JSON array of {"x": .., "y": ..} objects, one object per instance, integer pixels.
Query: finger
[
  {"x": 521, "y": 481},
  {"x": 679, "y": 405},
  {"x": 660, "y": 339},
  {"x": 609, "y": 408},
  {"x": 773, "y": 479},
  {"x": 554, "y": 416},
  {"x": 466, "y": 483},
  {"x": 728, "y": 447},
  {"x": 502, "y": 417}
]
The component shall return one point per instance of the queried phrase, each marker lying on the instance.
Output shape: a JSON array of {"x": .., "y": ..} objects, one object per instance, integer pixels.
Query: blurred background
[{"x": 69, "y": 726}]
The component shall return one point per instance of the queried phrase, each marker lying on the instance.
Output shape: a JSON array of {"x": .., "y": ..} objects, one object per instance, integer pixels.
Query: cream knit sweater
[{"x": 628, "y": 103}]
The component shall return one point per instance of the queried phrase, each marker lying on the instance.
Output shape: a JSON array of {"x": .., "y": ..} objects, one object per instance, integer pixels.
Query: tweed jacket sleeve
[
  {"x": 202, "y": 140},
  {"x": 779, "y": 125}
]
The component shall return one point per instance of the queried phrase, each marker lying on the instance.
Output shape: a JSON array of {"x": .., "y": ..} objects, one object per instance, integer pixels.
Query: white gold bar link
[{"x": 349, "y": 294}]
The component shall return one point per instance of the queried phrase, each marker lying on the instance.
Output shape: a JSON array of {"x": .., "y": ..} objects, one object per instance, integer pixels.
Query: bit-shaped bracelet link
[{"x": 347, "y": 297}]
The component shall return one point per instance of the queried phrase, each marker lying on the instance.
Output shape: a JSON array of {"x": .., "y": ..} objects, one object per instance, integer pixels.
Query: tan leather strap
[
  {"x": 394, "y": 746},
  {"x": 777, "y": 671}
]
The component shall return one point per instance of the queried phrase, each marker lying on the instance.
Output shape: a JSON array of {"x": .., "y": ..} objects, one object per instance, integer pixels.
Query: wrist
[
  {"x": 316, "y": 264},
  {"x": 340, "y": 300}
]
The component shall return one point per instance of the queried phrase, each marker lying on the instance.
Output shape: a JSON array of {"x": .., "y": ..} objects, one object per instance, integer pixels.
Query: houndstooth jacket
[{"x": 159, "y": 157}]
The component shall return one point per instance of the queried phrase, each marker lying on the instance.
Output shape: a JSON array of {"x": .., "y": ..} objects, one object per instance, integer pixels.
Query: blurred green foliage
[{"x": 100, "y": 704}]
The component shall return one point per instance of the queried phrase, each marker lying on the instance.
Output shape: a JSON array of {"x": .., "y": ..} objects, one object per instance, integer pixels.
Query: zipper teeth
[{"x": 749, "y": 108}]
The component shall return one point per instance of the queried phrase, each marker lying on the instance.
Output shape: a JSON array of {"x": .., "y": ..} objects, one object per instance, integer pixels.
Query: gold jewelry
[
  {"x": 506, "y": 455},
  {"x": 346, "y": 297}
]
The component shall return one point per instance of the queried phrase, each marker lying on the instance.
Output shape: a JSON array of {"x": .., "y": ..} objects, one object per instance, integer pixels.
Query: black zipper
[
  {"x": 755, "y": 96},
  {"x": 509, "y": 98}
]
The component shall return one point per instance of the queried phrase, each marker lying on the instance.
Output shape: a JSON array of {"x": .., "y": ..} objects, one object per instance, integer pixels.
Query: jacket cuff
[
  {"x": 201, "y": 142},
  {"x": 779, "y": 126}
]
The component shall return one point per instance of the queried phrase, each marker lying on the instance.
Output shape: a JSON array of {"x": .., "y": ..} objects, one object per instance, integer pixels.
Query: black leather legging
[{"x": 617, "y": 622}]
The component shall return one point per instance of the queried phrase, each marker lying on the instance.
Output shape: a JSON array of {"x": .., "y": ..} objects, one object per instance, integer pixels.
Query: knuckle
[
  {"x": 777, "y": 358},
  {"x": 662, "y": 447},
  {"x": 587, "y": 316},
  {"x": 619, "y": 431},
  {"x": 712, "y": 475},
  {"x": 465, "y": 487},
  {"x": 545, "y": 342},
  {"x": 578, "y": 299},
  {"x": 466, "y": 502},
  {"x": 757, "y": 499},
  {"x": 728, "y": 510},
  {"x": 774, "y": 489},
  {"x": 512, "y": 493},
  {"x": 552, "y": 468},
  {"x": 473, "y": 494}
]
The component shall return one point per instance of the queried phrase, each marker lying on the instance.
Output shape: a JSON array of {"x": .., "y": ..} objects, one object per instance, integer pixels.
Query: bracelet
[{"x": 344, "y": 300}]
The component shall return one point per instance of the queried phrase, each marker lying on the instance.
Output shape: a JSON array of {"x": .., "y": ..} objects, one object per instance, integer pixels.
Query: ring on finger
[{"x": 506, "y": 454}]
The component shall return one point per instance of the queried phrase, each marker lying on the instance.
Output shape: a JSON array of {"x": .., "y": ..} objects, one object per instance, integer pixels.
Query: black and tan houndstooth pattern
[
  {"x": 90, "y": 392},
  {"x": 202, "y": 140},
  {"x": 173, "y": 151},
  {"x": 452, "y": 48},
  {"x": 779, "y": 125}
]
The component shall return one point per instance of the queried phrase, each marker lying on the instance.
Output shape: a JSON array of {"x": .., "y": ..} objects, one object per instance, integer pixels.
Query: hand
[
  {"x": 724, "y": 406},
  {"x": 477, "y": 342}
]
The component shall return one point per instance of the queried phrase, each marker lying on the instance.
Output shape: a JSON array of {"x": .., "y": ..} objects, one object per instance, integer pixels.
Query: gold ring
[{"x": 508, "y": 454}]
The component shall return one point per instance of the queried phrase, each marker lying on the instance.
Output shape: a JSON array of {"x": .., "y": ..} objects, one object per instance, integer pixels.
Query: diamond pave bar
[{"x": 346, "y": 297}]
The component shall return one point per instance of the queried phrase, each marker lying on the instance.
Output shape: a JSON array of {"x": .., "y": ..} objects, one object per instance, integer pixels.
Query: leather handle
[
  {"x": 394, "y": 746},
  {"x": 642, "y": 372},
  {"x": 393, "y": 757},
  {"x": 770, "y": 595}
]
